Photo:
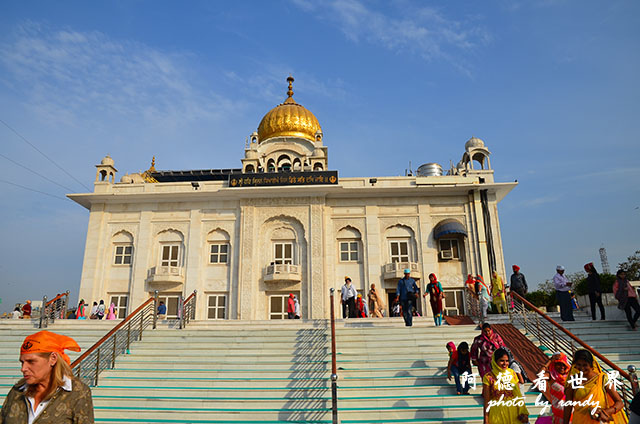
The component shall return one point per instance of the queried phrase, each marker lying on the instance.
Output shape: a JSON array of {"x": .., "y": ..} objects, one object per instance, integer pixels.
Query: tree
[{"x": 632, "y": 266}]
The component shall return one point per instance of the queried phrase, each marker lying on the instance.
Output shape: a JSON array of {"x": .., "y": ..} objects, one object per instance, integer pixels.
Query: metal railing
[
  {"x": 53, "y": 309},
  {"x": 472, "y": 305},
  {"x": 558, "y": 339},
  {"x": 102, "y": 355},
  {"x": 187, "y": 309},
  {"x": 334, "y": 366}
]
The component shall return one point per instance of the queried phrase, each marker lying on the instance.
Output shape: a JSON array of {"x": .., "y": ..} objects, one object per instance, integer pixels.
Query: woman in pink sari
[
  {"x": 483, "y": 347},
  {"x": 111, "y": 314}
]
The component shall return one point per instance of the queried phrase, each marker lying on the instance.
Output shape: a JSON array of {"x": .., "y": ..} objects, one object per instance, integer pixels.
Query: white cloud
[
  {"x": 422, "y": 30},
  {"x": 69, "y": 75}
]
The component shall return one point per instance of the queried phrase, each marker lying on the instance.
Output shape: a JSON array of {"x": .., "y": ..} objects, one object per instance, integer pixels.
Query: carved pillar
[
  {"x": 427, "y": 251},
  {"x": 92, "y": 277},
  {"x": 193, "y": 265},
  {"x": 373, "y": 248},
  {"x": 142, "y": 261},
  {"x": 247, "y": 280},
  {"x": 317, "y": 283}
]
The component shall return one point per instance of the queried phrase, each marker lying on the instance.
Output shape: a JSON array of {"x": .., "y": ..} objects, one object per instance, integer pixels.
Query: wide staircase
[{"x": 278, "y": 372}]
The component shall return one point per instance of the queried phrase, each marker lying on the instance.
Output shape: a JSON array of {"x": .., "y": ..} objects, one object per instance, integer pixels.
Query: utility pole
[{"x": 604, "y": 260}]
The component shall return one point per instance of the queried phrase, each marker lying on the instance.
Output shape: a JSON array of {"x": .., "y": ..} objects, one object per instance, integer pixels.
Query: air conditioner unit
[{"x": 446, "y": 254}]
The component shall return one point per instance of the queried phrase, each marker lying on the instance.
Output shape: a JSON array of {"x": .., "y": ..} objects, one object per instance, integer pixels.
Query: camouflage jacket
[{"x": 74, "y": 407}]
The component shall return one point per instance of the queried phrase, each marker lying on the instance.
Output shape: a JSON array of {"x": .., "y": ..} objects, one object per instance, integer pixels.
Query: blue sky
[{"x": 550, "y": 86}]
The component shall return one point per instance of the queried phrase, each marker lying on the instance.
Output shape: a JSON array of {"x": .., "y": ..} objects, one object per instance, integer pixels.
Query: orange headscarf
[{"x": 46, "y": 341}]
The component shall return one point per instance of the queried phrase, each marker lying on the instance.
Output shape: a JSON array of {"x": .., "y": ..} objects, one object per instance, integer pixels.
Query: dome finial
[
  {"x": 153, "y": 165},
  {"x": 290, "y": 91}
]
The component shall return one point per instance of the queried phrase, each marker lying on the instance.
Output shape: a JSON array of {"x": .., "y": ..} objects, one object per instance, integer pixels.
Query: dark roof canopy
[{"x": 449, "y": 226}]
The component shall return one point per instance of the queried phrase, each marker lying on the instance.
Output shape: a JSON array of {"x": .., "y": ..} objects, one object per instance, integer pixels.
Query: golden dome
[{"x": 288, "y": 119}]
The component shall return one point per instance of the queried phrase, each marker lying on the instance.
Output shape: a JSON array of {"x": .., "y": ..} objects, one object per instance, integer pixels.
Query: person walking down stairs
[
  {"x": 627, "y": 297},
  {"x": 406, "y": 293},
  {"x": 348, "y": 299},
  {"x": 518, "y": 282},
  {"x": 498, "y": 293},
  {"x": 434, "y": 288}
]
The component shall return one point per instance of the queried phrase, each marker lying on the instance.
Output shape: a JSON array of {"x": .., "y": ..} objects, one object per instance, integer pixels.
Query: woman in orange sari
[
  {"x": 556, "y": 371},
  {"x": 600, "y": 403}
]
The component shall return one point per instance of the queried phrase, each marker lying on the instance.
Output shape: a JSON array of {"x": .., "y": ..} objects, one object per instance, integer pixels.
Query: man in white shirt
[
  {"x": 348, "y": 299},
  {"x": 563, "y": 285}
]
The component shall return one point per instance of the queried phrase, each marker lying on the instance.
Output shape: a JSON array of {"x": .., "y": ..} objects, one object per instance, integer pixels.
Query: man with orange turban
[
  {"x": 48, "y": 390},
  {"x": 518, "y": 282}
]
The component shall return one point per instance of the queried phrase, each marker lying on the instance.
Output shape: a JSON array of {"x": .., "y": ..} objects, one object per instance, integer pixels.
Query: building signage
[{"x": 283, "y": 179}]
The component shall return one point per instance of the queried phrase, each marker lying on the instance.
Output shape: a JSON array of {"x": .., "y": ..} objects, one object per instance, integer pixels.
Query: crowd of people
[{"x": 576, "y": 391}]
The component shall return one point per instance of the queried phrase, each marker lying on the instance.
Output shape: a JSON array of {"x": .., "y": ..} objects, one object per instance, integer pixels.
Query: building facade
[{"x": 285, "y": 223}]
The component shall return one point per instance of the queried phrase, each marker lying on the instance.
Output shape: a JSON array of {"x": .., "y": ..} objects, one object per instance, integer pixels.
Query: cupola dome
[{"x": 288, "y": 119}]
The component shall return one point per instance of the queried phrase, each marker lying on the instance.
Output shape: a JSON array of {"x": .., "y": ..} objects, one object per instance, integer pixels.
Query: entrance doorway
[
  {"x": 278, "y": 304},
  {"x": 172, "y": 301}
]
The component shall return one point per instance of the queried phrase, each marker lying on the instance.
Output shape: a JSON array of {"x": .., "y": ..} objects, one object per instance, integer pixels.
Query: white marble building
[{"x": 244, "y": 243}]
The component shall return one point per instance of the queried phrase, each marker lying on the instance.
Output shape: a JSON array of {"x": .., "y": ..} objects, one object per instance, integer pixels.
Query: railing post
[
  {"x": 194, "y": 302},
  {"x": 42, "y": 313},
  {"x": 141, "y": 322},
  {"x": 509, "y": 300},
  {"x": 553, "y": 337},
  {"x": 334, "y": 367},
  {"x": 128, "y": 337},
  {"x": 65, "y": 305},
  {"x": 95, "y": 378},
  {"x": 180, "y": 312},
  {"x": 113, "y": 353},
  {"x": 155, "y": 308},
  {"x": 538, "y": 326}
]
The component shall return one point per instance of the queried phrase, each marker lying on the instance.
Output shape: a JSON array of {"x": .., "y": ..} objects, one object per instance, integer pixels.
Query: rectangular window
[
  {"x": 217, "y": 306},
  {"x": 172, "y": 302},
  {"x": 219, "y": 253},
  {"x": 123, "y": 255},
  {"x": 449, "y": 249},
  {"x": 399, "y": 251},
  {"x": 349, "y": 251},
  {"x": 283, "y": 253},
  {"x": 170, "y": 255},
  {"x": 120, "y": 302}
]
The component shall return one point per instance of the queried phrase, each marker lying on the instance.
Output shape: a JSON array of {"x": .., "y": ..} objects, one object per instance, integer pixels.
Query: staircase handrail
[
  {"x": 103, "y": 353},
  {"x": 187, "y": 309},
  {"x": 334, "y": 365},
  {"x": 564, "y": 340},
  {"x": 49, "y": 312}
]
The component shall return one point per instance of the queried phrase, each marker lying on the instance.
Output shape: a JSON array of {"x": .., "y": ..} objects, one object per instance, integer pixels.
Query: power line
[
  {"x": 47, "y": 157},
  {"x": 32, "y": 189},
  {"x": 37, "y": 173}
]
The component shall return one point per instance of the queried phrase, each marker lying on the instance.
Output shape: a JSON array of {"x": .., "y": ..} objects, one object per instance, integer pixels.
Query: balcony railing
[
  {"x": 166, "y": 274},
  {"x": 283, "y": 272},
  {"x": 395, "y": 270}
]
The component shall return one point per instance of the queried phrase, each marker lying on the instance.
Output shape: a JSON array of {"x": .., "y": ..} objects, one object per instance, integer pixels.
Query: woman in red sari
[
  {"x": 434, "y": 288},
  {"x": 483, "y": 347}
]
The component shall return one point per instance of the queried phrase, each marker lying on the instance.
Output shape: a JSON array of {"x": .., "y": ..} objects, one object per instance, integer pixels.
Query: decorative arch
[
  {"x": 349, "y": 232},
  {"x": 218, "y": 234},
  {"x": 122, "y": 236},
  {"x": 170, "y": 235}
]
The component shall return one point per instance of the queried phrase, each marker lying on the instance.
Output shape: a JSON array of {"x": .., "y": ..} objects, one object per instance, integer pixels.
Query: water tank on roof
[{"x": 429, "y": 170}]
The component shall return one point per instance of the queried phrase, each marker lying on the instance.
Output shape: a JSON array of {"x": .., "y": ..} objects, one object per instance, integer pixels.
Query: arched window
[
  {"x": 249, "y": 168},
  {"x": 171, "y": 245},
  {"x": 317, "y": 166},
  {"x": 349, "y": 244},
  {"x": 123, "y": 248},
  {"x": 219, "y": 249},
  {"x": 271, "y": 166}
]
